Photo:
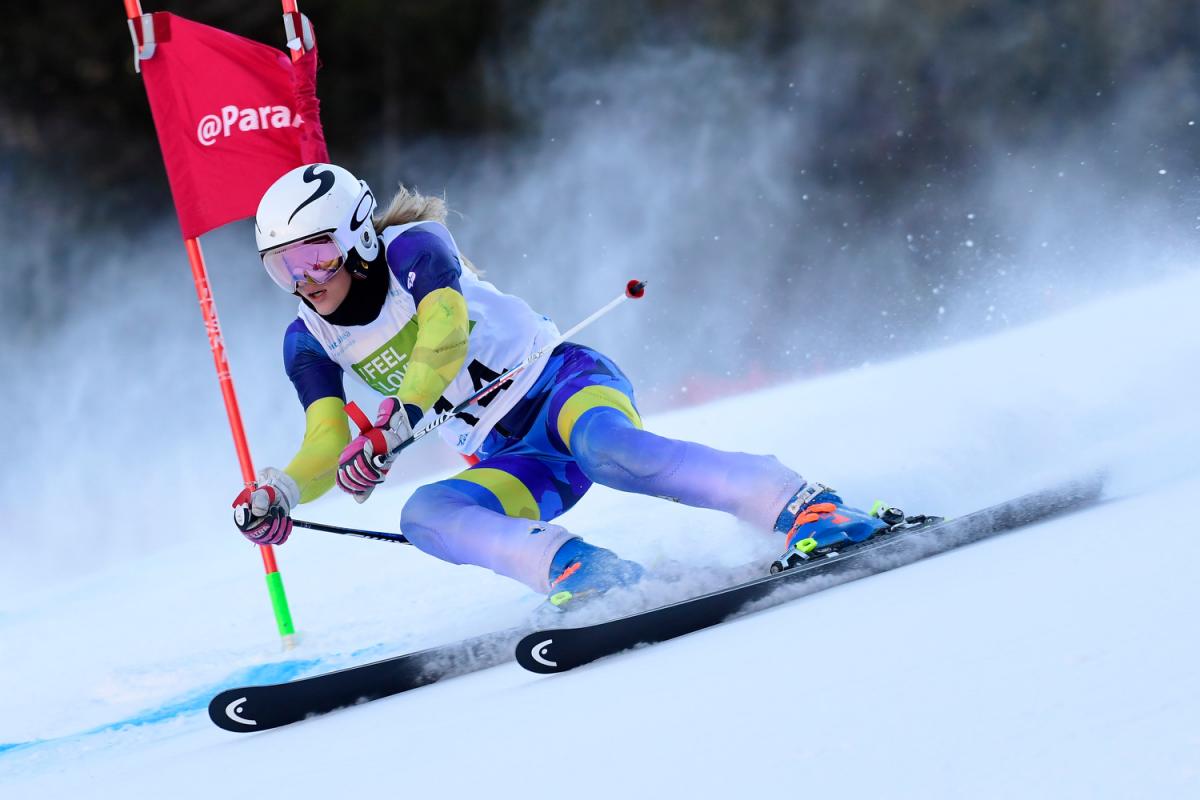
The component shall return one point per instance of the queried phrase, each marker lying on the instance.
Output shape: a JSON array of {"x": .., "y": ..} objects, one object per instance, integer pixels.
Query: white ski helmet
[{"x": 313, "y": 202}]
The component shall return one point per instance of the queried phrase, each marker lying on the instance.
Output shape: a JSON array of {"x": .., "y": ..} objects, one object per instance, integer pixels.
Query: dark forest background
[
  {"x": 913, "y": 160},
  {"x": 969, "y": 74}
]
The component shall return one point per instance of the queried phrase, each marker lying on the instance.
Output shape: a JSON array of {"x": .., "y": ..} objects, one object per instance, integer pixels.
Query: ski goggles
[{"x": 313, "y": 260}]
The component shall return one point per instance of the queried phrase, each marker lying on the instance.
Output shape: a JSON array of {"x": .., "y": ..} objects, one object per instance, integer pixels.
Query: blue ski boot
[
  {"x": 581, "y": 572},
  {"x": 815, "y": 521}
]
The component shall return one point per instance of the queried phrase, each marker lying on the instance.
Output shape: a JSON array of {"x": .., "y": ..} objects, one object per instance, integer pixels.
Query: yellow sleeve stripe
[
  {"x": 326, "y": 434},
  {"x": 440, "y": 349},
  {"x": 585, "y": 400}
]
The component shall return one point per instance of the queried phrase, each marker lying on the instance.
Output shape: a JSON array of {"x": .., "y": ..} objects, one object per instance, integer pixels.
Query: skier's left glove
[
  {"x": 263, "y": 510},
  {"x": 365, "y": 462}
]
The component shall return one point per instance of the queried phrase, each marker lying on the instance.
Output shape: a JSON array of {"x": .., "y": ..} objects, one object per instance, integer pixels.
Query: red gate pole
[{"x": 279, "y": 604}]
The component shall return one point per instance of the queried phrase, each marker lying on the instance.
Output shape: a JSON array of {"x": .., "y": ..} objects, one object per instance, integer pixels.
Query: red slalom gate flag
[{"x": 232, "y": 116}]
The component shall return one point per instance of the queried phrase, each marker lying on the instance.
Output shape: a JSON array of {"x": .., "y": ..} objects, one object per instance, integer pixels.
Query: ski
[
  {"x": 558, "y": 650},
  {"x": 258, "y": 708}
]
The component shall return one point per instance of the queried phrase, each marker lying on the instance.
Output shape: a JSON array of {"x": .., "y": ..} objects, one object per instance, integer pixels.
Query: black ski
[
  {"x": 258, "y": 708},
  {"x": 558, "y": 650}
]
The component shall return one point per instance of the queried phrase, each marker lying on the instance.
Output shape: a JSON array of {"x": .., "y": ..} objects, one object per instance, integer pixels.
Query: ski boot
[
  {"x": 581, "y": 572},
  {"x": 816, "y": 523}
]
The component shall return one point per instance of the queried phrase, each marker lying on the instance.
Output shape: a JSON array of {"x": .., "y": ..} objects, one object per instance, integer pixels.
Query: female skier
[{"x": 390, "y": 299}]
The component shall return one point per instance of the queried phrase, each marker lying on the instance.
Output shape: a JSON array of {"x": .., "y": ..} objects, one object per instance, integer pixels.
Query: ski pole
[
  {"x": 634, "y": 289},
  {"x": 398, "y": 538}
]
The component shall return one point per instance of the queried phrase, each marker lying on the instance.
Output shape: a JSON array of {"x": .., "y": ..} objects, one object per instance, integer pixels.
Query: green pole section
[{"x": 283, "y": 616}]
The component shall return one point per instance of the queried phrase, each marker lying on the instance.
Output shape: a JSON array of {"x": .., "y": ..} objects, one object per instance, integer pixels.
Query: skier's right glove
[
  {"x": 262, "y": 510},
  {"x": 365, "y": 462}
]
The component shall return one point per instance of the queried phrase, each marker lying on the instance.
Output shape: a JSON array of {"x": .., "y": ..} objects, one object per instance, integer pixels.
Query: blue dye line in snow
[{"x": 196, "y": 700}]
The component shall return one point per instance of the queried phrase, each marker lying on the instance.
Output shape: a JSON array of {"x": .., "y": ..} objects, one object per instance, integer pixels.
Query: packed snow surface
[{"x": 1056, "y": 661}]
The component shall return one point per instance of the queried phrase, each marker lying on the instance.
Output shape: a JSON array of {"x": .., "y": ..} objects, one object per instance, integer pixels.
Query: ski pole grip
[
  {"x": 360, "y": 419},
  {"x": 635, "y": 289}
]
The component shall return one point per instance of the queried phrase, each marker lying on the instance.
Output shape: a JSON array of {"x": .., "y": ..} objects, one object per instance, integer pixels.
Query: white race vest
[{"x": 504, "y": 330}]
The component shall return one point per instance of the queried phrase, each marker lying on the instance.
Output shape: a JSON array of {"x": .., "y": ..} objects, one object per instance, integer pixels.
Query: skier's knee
[{"x": 613, "y": 452}]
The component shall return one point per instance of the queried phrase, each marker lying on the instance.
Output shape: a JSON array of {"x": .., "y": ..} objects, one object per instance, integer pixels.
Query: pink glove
[
  {"x": 365, "y": 462},
  {"x": 262, "y": 511}
]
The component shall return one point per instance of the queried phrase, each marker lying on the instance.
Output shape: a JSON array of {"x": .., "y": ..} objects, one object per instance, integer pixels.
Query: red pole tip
[{"x": 635, "y": 289}]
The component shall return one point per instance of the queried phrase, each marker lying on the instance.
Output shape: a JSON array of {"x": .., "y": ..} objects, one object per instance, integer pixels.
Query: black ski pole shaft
[{"x": 397, "y": 538}]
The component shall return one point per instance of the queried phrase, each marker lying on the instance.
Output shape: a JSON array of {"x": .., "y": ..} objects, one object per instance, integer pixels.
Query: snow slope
[{"x": 1058, "y": 661}]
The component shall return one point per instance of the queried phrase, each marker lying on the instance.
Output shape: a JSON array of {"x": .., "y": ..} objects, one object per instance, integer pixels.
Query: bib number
[{"x": 481, "y": 375}]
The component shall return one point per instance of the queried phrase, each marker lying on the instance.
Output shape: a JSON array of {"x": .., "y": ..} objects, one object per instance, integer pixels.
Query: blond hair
[{"x": 408, "y": 206}]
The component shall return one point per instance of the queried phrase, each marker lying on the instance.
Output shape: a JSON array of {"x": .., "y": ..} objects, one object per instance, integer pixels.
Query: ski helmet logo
[
  {"x": 326, "y": 183},
  {"x": 539, "y": 652},
  {"x": 232, "y": 711},
  {"x": 366, "y": 201}
]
